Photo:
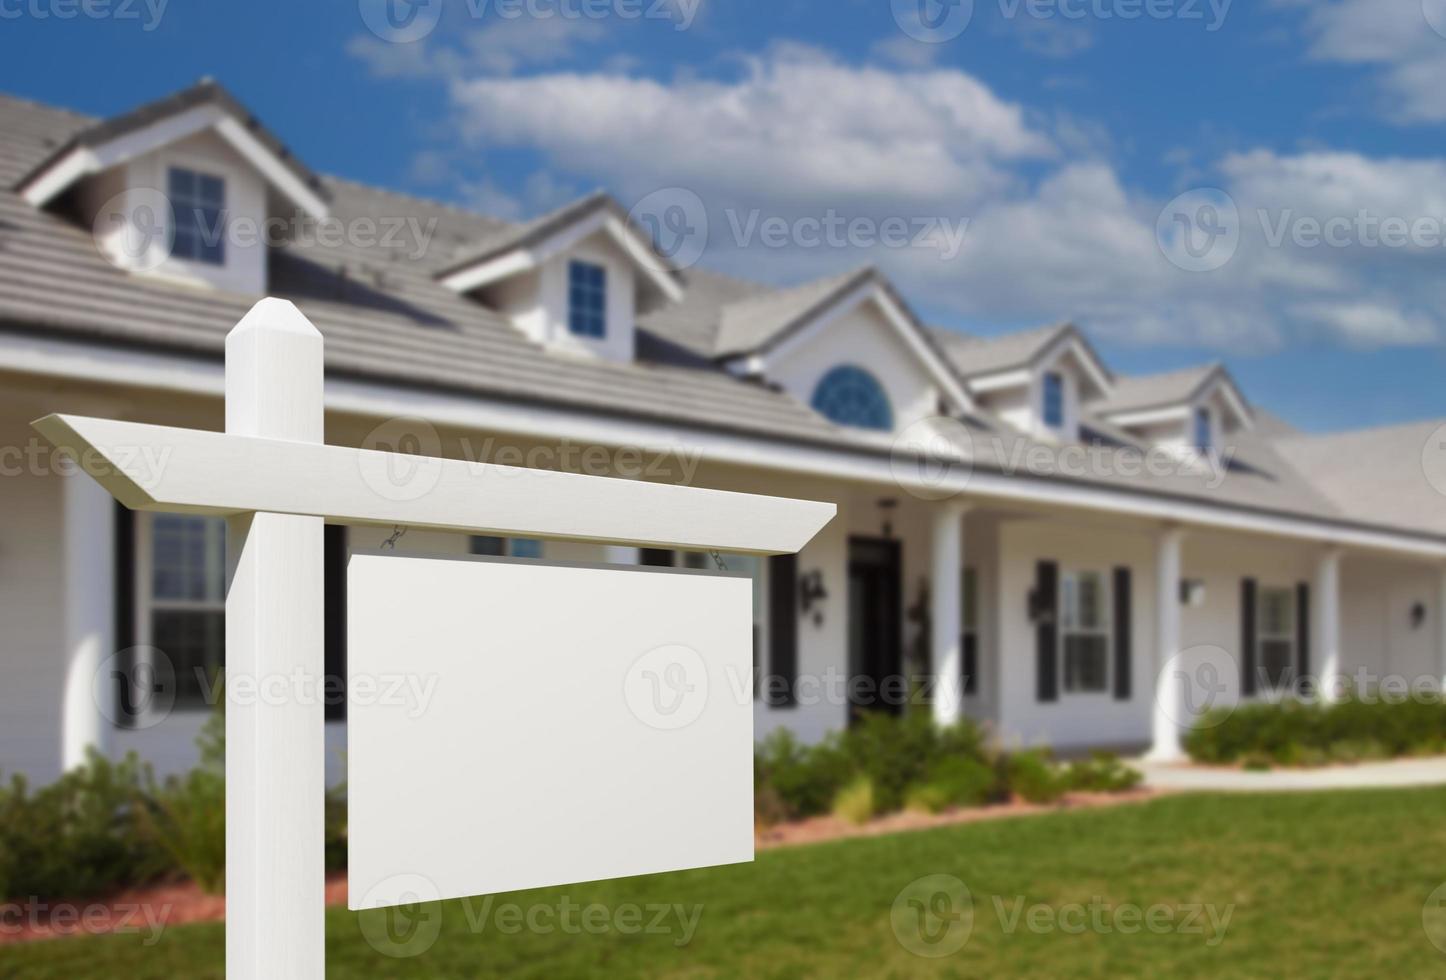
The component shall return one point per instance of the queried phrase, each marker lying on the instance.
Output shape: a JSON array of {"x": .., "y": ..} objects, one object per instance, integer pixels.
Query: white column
[
  {"x": 1326, "y": 629},
  {"x": 275, "y": 747},
  {"x": 1170, "y": 710},
  {"x": 946, "y": 616},
  {"x": 1441, "y": 626},
  {"x": 89, "y": 584}
]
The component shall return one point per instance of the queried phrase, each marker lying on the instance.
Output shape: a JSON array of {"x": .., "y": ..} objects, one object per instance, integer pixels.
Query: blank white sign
[{"x": 520, "y": 724}]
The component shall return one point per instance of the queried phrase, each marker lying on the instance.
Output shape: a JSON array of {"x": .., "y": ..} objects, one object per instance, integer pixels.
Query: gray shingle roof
[
  {"x": 974, "y": 356},
  {"x": 386, "y": 318},
  {"x": 1156, "y": 390}
]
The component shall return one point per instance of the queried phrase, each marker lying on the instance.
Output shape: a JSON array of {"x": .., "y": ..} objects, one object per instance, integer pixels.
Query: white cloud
[
  {"x": 1396, "y": 37},
  {"x": 502, "y": 47},
  {"x": 1373, "y": 324}
]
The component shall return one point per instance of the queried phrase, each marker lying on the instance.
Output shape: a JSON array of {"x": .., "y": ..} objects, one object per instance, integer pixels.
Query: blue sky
[{"x": 1053, "y": 135}]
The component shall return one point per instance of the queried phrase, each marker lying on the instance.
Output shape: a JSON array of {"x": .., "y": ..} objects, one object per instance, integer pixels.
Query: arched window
[{"x": 852, "y": 396}]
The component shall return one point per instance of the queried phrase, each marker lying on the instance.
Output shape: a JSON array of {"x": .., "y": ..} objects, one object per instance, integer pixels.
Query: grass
[{"x": 1322, "y": 885}]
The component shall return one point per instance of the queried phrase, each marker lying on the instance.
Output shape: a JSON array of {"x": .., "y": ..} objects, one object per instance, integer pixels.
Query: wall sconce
[
  {"x": 886, "y": 510},
  {"x": 811, "y": 593},
  {"x": 1418, "y": 615},
  {"x": 1192, "y": 592},
  {"x": 1039, "y": 611}
]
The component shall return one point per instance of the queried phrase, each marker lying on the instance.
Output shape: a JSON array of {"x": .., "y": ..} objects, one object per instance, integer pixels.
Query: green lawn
[{"x": 1320, "y": 884}]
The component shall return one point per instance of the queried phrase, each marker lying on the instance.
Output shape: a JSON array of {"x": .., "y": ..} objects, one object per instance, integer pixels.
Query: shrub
[
  {"x": 894, "y": 753},
  {"x": 928, "y": 798},
  {"x": 964, "y": 781},
  {"x": 804, "y": 779},
  {"x": 1034, "y": 777},
  {"x": 855, "y": 802},
  {"x": 77, "y": 837},
  {"x": 1292, "y": 733},
  {"x": 1102, "y": 772},
  {"x": 187, "y": 815}
]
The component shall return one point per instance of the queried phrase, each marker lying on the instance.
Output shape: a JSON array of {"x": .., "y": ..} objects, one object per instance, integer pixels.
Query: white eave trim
[
  {"x": 65, "y": 359},
  {"x": 896, "y": 318},
  {"x": 519, "y": 260},
  {"x": 85, "y": 161}
]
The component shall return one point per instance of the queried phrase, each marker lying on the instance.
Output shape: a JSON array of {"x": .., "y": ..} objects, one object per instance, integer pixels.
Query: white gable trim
[
  {"x": 893, "y": 315},
  {"x": 1021, "y": 377},
  {"x": 1233, "y": 400},
  {"x": 518, "y": 260},
  {"x": 1176, "y": 411},
  {"x": 84, "y": 161}
]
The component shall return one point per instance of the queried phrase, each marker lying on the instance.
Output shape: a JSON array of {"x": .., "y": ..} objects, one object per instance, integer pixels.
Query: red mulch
[{"x": 144, "y": 909}]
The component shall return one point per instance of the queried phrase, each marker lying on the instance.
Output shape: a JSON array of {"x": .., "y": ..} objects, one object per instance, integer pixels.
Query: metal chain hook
[{"x": 390, "y": 544}]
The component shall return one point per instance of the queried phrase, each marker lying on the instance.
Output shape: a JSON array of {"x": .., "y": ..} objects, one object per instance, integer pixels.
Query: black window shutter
[
  {"x": 971, "y": 663},
  {"x": 1124, "y": 634},
  {"x": 778, "y": 688},
  {"x": 125, "y": 608},
  {"x": 1046, "y": 631},
  {"x": 334, "y": 620},
  {"x": 655, "y": 557},
  {"x": 1302, "y": 638},
  {"x": 1247, "y": 637}
]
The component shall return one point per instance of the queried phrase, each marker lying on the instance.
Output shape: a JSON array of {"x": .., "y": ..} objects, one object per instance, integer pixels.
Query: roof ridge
[{"x": 50, "y": 107}]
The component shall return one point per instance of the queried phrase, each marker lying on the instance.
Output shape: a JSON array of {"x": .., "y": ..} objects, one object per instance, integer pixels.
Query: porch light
[
  {"x": 811, "y": 593},
  {"x": 1192, "y": 592},
  {"x": 887, "y": 506}
]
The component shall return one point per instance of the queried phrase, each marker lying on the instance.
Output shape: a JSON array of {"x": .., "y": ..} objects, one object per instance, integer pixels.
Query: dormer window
[
  {"x": 1203, "y": 440},
  {"x": 587, "y": 299},
  {"x": 852, "y": 396},
  {"x": 1054, "y": 400},
  {"x": 198, "y": 214}
]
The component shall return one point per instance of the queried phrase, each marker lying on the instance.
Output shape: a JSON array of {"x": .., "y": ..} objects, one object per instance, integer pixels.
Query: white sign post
[{"x": 276, "y": 483}]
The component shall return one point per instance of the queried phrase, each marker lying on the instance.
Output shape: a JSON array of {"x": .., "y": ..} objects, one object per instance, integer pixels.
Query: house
[{"x": 1024, "y": 536}]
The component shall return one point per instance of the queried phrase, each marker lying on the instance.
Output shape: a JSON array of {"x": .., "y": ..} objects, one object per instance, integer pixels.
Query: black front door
[{"x": 875, "y": 607}]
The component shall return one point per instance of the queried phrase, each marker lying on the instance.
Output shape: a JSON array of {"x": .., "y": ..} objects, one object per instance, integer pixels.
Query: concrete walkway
[{"x": 1367, "y": 775}]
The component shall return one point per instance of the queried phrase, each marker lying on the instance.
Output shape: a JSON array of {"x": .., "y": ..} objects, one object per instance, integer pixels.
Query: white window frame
[
  {"x": 144, "y": 603},
  {"x": 1290, "y": 637},
  {"x": 1106, "y": 629}
]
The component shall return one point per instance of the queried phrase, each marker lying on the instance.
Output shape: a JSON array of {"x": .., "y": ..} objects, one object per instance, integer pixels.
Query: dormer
[
  {"x": 1038, "y": 381},
  {"x": 1188, "y": 412},
  {"x": 849, "y": 347},
  {"x": 190, "y": 189},
  {"x": 575, "y": 281}
]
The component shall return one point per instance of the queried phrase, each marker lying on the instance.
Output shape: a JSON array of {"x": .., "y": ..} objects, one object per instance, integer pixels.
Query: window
[
  {"x": 852, "y": 396},
  {"x": 587, "y": 299},
  {"x": 1054, "y": 400},
  {"x": 1085, "y": 632},
  {"x": 1203, "y": 442},
  {"x": 1275, "y": 634},
  {"x": 185, "y": 611},
  {"x": 504, "y": 547},
  {"x": 970, "y": 642},
  {"x": 198, "y": 205}
]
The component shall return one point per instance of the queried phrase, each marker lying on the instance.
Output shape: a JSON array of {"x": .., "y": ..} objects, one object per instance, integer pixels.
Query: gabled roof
[
  {"x": 513, "y": 249},
  {"x": 1143, "y": 393},
  {"x": 979, "y": 358},
  {"x": 204, "y": 105},
  {"x": 763, "y": 325}
]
